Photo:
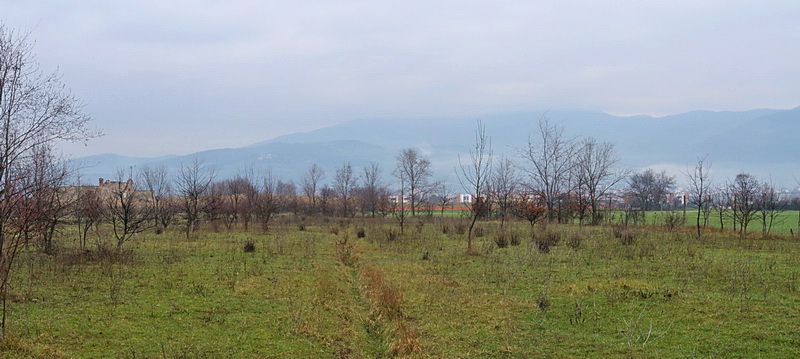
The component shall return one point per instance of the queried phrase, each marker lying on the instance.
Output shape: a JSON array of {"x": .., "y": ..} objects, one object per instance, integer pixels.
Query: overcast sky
[{"x": 175, "y": 77}]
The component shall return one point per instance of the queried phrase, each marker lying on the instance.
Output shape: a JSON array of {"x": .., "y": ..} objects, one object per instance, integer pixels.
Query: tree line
[{"x": 555, "y": 178}]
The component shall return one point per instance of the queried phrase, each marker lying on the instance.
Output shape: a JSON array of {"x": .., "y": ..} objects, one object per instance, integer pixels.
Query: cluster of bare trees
[
  {"x": 561, "y": 179},
  {"x": 647, "y": 191},
  {"x": 745, "y": 200},
  {"x": 36, "y": 112},
  {"x": 153, "y": 198},
  {"x": 249, "y": 199},
  {"x": 558, "y": 178},
  {"x": 193, "y": 194},
  {"x": 741, "y": 201},
  {"x": 570, "y": 176}
]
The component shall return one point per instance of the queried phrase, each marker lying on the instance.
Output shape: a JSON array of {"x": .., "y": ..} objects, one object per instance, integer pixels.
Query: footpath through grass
[{"x": 321, "y": 292}]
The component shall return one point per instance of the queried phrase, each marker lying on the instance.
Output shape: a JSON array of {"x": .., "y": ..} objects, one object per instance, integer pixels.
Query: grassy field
[
  {"x": 324, "y": 292},
  {"x": 782, "y": 224},
  {"x": 785, "y": 221}
]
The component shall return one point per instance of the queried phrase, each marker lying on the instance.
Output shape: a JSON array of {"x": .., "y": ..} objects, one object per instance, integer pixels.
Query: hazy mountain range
[{"x": 759, "y": 141}]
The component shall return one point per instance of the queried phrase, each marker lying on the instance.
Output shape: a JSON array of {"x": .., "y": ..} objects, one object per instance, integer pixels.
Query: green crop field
[
  {"x": 781, "y": 225},
  {"x": 321, "y": 292}
]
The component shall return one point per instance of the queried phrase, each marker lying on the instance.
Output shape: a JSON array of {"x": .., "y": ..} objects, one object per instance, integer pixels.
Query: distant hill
[
  {"x": 285, "y": 160},
  {"x": 759, "y": 141},
  {"x": 772, "y": 138}
]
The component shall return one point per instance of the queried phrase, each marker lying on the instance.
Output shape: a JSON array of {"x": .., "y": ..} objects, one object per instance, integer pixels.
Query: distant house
[
  {"x": 463, "y": 198},
  {"x": 105, "y": 189},
  {"x": 396, "y": 199}
]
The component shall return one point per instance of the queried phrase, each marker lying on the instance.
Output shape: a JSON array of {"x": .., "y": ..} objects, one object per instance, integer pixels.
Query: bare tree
[
  {"x": 36, "y": 110},
  {"x": 311, "y": 182},
  {"x": 87, "y": 211},
  {"x": 550, "y": 161},
  {"x": 288, "y": 195},
  {"x": 47, "y": 177},
  {"x": 325, "y": 202},
  {"x": 475, "y": 176},
  {"x": 504, "y": 188},
  {"x": 444, "y": 194},
  {"x": 156, "y": 181},
  {"x": 700, "y": 191},
  {"x": 425, "y": 203},
  {"x": 798, "y": 212},
  {"x": 126, "y": 209},
  {"x": 268, "y": 201},
  {"x": 344, "y": 183},
  {"x": 744, "y": 191},
  {"x": 597, "y": 173},
  {"x": 576, "y": 200},
  {"x": 194, "y": 183},
  {"x": 249, "y": 204},
  {"x": 770, "y": 207},
  {"x": 229, "y": 207},
  {"x": 233, "y": 198},
  {"x": 416, "y": 171},
  {"x": 720, "y": 200},
  {"x": 217, "y": 207},
  {"x": 398, "y": 205},
  {"x": 373, "y": 187}
]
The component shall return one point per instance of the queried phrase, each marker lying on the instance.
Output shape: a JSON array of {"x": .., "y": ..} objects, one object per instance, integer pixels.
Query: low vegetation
[{"x": 566, "y": 290}]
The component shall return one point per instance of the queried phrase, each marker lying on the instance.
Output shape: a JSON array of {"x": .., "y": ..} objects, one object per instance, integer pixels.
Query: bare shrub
[
  {"x": 543, "y": 303},
  {"x": 301, "y": 227},
  {"x": 73, "y": 257},
  {"x": 445, "y": 229},
  {"x": 171, "y": 256},
  {"x": 546, "y": 240},
  {"x": 107, "y": 255},
  {"x": 361, "y": 233},
  {"x": 461, "y": 228},
  {"x": 250, "y": 246},
  {"x": 673, "y": 220},
  {"x": 391, "y": 234},
  {"x": 577, "y": 317},
  {"x": 575, "y": 241},
  {"x": 515, "y": 239},
  {"x": 617, "y": 231},
  {"x": 344, "y": 252},
  {"x": 419, "y": 226},
  {"x": 487, "y": 249},
  {"x": 627, "y": 238},
  {"x": 502, "y": 239},
  {"x": 478, "y": 232}
]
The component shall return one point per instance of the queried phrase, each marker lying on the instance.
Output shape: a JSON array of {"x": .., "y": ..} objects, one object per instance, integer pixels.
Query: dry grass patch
[{"x": 387, "y": 306}]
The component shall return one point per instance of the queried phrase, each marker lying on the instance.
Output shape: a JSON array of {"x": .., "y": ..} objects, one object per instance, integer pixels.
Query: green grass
[
  {"x": 785, "y": 221},
  {"x": 300, "y": 294},
  {"x": 782, "y": 224}
]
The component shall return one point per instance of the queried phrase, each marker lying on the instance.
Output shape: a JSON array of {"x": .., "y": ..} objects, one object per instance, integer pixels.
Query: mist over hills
[{"x": 757, "y": 141}]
